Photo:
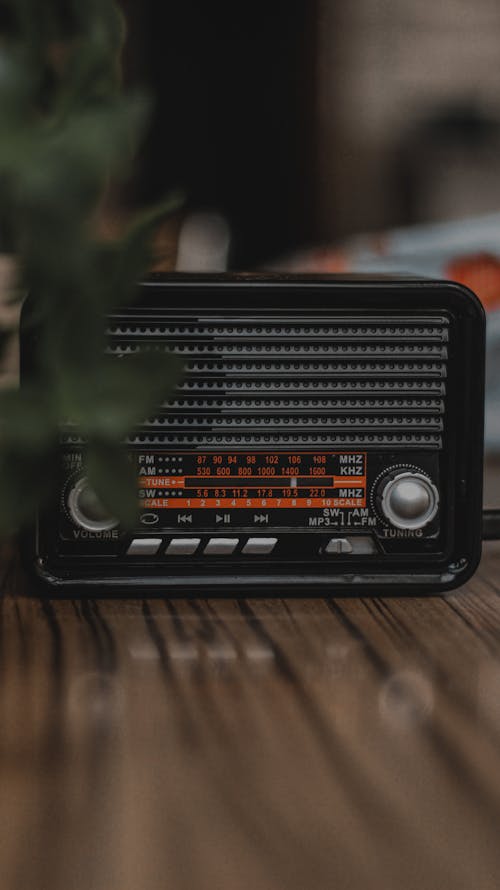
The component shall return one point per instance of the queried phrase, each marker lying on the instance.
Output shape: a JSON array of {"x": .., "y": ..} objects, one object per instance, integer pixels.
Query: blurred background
[
  {"x": 326, "y": 136},
  {"x": 320, "y": 135},
  {"x": 303, "y": 122}
]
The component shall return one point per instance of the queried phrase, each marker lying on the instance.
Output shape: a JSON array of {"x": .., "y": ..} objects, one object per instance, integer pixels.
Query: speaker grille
[{"x": 305, "y": 381}]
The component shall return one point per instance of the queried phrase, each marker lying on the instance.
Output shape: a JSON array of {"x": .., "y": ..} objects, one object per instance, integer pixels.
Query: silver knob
[
  {"x": 409, "y": 500},
  {"x": 86, "y": 509}
]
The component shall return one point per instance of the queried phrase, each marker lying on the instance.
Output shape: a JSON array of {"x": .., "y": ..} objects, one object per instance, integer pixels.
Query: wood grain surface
[{"x": 251, "y": 745}]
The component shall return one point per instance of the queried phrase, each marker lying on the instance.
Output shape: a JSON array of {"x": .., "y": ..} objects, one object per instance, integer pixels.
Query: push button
[
  {"x": 183, "y": 546},
  {"x": 357, "y": 545},
  {"x": 260, "y": 546},
  {"x": 144, "y": 546},
  {"x": 221, "y": 546},
  {"x": 338, "y": 545},
  {"x": 363, "y": 545}
]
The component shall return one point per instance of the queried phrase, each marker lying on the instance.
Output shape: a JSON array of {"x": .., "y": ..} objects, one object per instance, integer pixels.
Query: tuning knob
[
  {"x": 86, "y": 509},
  {"x": 408, "y": 499}
]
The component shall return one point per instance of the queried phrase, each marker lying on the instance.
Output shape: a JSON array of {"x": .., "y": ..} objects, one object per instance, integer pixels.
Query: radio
[{"x": 326, "y": 437}]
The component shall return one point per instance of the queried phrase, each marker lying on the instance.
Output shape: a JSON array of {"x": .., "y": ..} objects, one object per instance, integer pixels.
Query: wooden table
[{"x": 252, "y": 745}]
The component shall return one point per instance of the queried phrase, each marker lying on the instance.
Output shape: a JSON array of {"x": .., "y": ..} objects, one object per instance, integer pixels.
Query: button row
[
  {"x": 358, "y": 545},
  {"x": 188, "y": 546}
]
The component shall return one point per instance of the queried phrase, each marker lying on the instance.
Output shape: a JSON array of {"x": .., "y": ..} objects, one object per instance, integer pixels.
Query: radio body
[{"x": 326, "y": 437}]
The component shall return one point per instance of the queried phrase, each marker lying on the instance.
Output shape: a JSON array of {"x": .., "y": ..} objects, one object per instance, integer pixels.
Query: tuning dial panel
[
  {"x": 407, "y": 499},
  {"x": 86, "y": 510}
]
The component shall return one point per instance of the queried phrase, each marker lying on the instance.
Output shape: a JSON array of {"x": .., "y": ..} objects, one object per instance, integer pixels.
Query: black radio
[{"x": 326, "y": 437}]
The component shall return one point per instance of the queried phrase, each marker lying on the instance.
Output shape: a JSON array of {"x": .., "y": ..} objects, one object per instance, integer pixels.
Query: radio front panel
[{"x": 324, "y": 434}]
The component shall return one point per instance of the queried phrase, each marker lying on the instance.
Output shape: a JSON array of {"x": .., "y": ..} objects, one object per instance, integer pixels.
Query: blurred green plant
[{"x": 66, "y": 127}]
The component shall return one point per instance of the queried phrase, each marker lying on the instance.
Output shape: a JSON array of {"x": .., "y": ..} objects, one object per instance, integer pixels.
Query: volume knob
[
  {"x": 408, "y": 500},
  {"x": 86, "y": 509}
]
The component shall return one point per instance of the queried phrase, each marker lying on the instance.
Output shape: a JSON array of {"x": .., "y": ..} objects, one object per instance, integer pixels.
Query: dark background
[
  {"x": 234, "y": 113},
  {"x": 308, "y": 121}
]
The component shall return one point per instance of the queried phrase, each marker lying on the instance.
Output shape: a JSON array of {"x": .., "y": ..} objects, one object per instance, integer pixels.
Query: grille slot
[
  {"x": 297, "y": 350},
  {"x": 311, "y": 381},
  {"x": 284, "y": 404},
  {"x": 434, "y": 330}
]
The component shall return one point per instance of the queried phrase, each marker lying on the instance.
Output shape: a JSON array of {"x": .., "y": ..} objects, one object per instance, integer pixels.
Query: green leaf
[
  {"x": 27, "y": 480},
  {"x": 66, "y": 128},
  {"x": 27, "y": 455},
  {"x": 113, "y": 478},
  {"x": 27, "y": 420},
  {"x": 118, "y": 394},
  {"x": 93, "y": 68}
]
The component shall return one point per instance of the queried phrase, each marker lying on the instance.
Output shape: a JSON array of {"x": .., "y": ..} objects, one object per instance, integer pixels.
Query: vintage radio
[{"x": 325, "y": 438}]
